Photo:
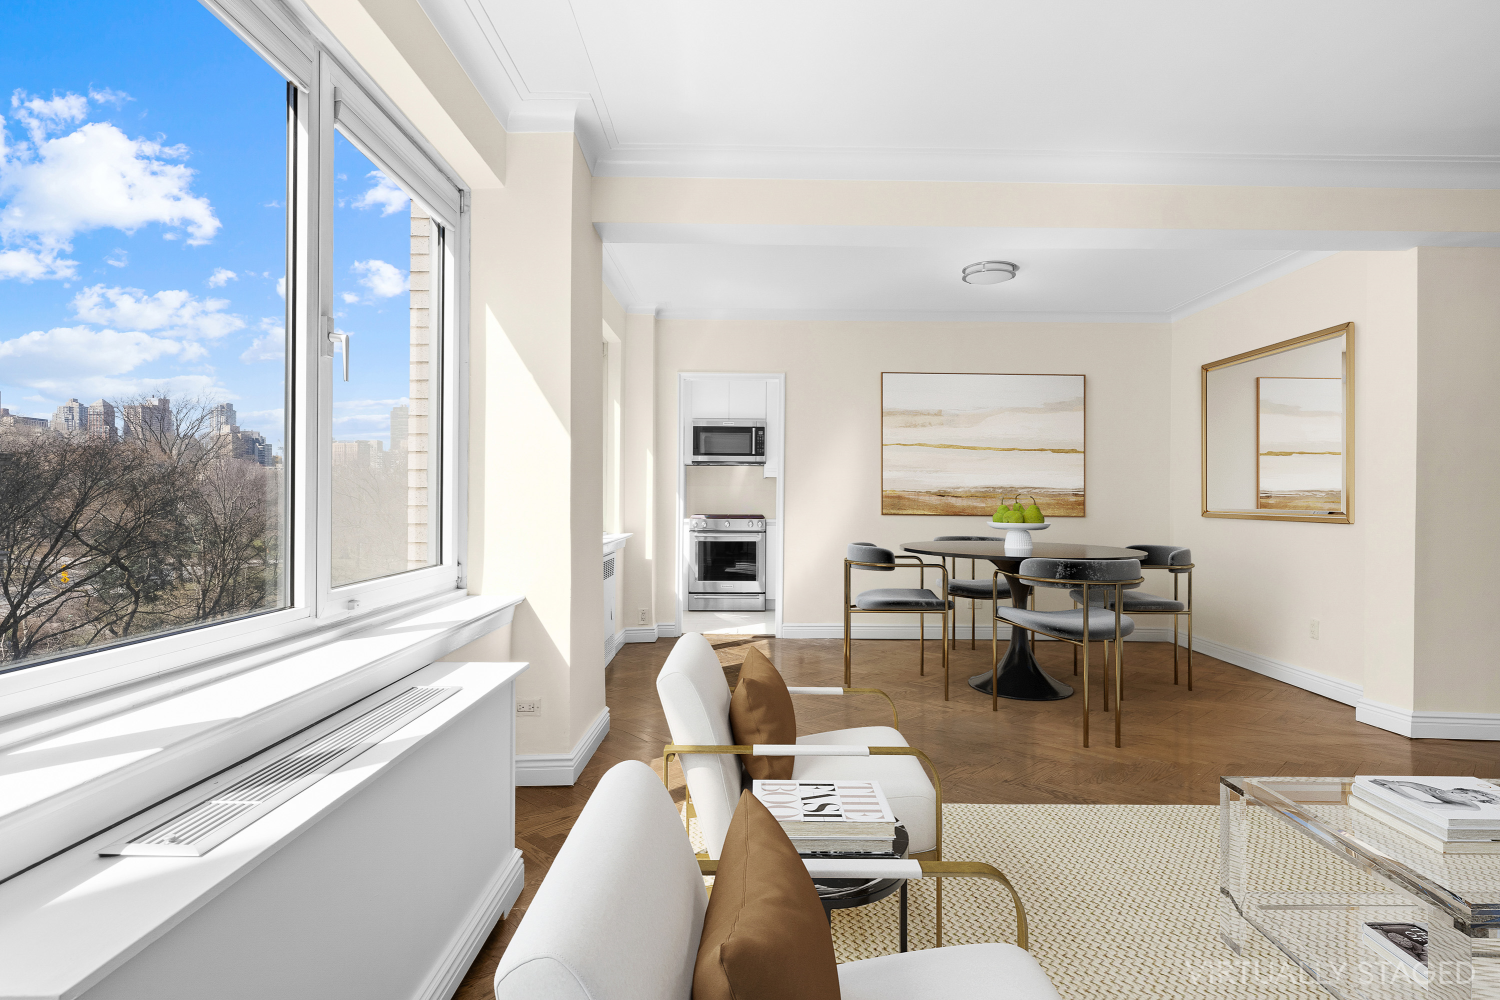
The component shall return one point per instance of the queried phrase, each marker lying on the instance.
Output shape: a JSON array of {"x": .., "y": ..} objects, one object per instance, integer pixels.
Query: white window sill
[
  {"x": 68, "y": 923},
  {"x": 63, "y": 785}
]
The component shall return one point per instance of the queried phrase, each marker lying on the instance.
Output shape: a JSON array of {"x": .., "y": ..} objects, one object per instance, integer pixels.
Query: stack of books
[
  {"x": 832, "y": 818},
  {"x": 1455, "y": 815}
]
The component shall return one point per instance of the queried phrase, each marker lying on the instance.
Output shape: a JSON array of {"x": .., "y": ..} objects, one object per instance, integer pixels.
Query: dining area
[{"x": 1100, "y": 583}]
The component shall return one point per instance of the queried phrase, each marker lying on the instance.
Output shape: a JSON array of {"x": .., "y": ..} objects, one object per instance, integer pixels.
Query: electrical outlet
[
  {"x": 1312, "y": 628},
  {"x": 643, "y": 616},
  {"x": 528, "y": 706}
]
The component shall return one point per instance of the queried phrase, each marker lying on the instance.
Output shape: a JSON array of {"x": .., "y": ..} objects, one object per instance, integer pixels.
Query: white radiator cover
[{"x": 389, "y": 895}]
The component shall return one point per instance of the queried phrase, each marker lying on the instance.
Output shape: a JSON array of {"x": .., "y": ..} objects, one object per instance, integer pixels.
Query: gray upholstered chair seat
[
  {"x": 1104, "y": 597},
  {"x": 978, "y": 590},
  {"x": 1068, "y": 624},
  {"x": 899, "y": 599}
]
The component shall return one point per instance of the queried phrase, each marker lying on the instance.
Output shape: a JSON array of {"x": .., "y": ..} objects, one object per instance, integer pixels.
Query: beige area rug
[{"x": 1122, "y": 902}]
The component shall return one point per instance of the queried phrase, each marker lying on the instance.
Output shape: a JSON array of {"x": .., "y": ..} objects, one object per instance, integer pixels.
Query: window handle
[{"x": 342, "y": 340}]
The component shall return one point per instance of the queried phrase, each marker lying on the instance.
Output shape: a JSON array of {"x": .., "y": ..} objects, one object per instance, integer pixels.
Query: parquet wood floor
[{"x": 1176, "y": 743}]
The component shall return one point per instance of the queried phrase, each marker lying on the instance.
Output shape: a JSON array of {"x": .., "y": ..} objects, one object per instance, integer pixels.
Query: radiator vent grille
[
  {"x": 203, "y": 826},
  {"x": 609, "y": 567}
]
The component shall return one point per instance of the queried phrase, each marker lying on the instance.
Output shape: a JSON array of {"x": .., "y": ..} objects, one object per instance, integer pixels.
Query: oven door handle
[{"x": 725, "y": 536}]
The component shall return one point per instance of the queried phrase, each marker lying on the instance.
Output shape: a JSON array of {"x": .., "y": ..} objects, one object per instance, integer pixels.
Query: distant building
[
  {"x": 359, "y": 454},
  {"x": 102, "y": 421},
  {"x": 15, "y": 423},
  {"x": 71, "y": 419},
  {"x": 223, "y": 416},
  {"x": 147, "y": 421},
  {"x": 400, "y": 427}
]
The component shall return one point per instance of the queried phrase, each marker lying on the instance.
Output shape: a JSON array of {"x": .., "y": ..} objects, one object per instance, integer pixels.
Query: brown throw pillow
[
  {"x": 760, "y": 711},
  {"x": 764, "y": 936}
]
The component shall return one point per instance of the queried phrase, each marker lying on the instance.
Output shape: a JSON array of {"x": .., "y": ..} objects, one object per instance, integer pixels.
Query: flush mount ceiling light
[{"x": 990, "y": 272}]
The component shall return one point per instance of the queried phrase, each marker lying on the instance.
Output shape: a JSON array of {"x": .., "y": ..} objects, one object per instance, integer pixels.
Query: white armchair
[
  {"x": 620, "y": 914},
  {"x": 695, "y": 697}
]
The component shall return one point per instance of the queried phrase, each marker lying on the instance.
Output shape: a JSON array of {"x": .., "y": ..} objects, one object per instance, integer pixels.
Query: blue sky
[{"x": 142, "y": 221}]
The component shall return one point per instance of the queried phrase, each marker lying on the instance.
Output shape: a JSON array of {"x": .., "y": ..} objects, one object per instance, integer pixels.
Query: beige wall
[
  {"x": 1259, "y": 583},
  {"x": 832, "y": 462},
  {"x": 1458, "y": 477},
  {"x": 638, "y": 464}
]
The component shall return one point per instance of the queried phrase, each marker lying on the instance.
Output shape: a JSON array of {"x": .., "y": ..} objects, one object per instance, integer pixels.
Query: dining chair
[
  {"x": 991, "y": 589},
  {"x": 919, "y": 600},
  {"x": 1179, "y": 562},
  {"x": 1079, "y": 625}
]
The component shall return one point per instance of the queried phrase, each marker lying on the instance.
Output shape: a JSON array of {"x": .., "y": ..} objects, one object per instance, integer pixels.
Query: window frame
[{"x": 319, "y": 71}]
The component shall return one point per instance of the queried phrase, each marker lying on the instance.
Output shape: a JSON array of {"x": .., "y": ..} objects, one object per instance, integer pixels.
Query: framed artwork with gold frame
[{"x": 955, "y": 443}]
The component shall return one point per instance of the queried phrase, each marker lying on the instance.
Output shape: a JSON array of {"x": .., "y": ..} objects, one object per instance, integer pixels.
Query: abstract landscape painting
[
  {"x": 1299, "y": 444},
  {"x": 958, "y": 443}
]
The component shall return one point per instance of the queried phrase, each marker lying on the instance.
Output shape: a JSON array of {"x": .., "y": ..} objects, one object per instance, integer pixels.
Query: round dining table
[{"x": 1020, "y": 677}]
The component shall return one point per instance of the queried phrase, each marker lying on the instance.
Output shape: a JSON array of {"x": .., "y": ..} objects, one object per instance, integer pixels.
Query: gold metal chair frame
[
  {"x": 850, "y": 609},
  {"x": 973, "y": 601},
  {"x": 947, "y": 869},
  {"x": 936, "y": 854},
  {"x": 1188, "y": 614},
  {"x": 1119, "y": 588}
]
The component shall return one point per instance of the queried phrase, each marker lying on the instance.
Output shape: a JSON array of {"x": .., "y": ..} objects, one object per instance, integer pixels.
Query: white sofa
[
  {"x": 619, "y": 916},
  {"x": 695, "y": 697}
]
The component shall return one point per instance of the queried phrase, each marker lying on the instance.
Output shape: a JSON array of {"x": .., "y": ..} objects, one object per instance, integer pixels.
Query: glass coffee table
[{"x": 1304, "y": 868}]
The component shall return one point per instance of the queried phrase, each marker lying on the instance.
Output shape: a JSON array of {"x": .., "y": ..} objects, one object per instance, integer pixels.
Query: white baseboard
[
  {"x": 1429, "y": 725},
  {"x": 668, "y": 630},
  {"x": 822, "y": 630},
  {"x": 563, "y": 768},
  {"x": 1307, "y": 680},
  {"x": 498, "y": 897},
  {"x": 641, "y": 633}
]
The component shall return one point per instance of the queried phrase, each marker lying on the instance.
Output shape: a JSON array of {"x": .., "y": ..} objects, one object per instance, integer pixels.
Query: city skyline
[{"x": 167, "y": 278}]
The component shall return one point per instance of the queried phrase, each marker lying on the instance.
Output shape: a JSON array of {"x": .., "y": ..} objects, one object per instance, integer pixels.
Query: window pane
[
  {"x": 142, "y": 315},
  {"x": 384, "y": 497}
]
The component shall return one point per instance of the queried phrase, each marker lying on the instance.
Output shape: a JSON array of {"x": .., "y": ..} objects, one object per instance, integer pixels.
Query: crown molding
[
  {"x": 906, "y": 316},
  {"x": 1047, "y": 166}
]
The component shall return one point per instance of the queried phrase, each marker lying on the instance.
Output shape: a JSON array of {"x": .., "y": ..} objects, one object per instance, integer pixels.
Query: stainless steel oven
[
  {"x": 728, "y": 442},
  {"x": 726, "y": 563}
]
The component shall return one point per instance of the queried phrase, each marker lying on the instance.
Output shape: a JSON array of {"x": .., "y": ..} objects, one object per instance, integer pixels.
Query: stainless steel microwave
[{"x": 728, "y": 442}]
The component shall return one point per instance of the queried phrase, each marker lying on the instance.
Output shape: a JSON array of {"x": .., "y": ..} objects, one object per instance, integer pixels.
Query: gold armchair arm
[
  {"x": 978, "y": 869},
  {"x": 895, "y": 717},
  {"x": 675, "y": 750},
  {"x": 947, "y": 869}
]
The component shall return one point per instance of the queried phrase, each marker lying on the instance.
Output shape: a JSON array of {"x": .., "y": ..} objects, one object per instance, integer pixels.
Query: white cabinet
[
  {"x": 747, "y": 398},
  {"x": 710, "y": 398}
]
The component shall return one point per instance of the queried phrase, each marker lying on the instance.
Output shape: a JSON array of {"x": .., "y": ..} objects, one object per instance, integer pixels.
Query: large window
[{"x": 194, "y": 244}]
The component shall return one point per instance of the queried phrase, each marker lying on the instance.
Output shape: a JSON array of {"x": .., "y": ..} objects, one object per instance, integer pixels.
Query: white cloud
[
  {"x": 105, "y": 95},
  {"x": 65, "y": 355},
  {"x": 281, "y": 286},
  {"x": 270, "y": 346},
  {"x": 61, "y": 183},
  {"x": 221, "y": 277},
  {"x": 349, "y": 298},
  {"x": 39, "y": 116},
  {"x": 28, "y": 265},
  {"x": 174, "y": 312},
  {"x": 382, "y": 279},
  {"x": 117, "y": 258},
  {"x": 385, "y": 194}
]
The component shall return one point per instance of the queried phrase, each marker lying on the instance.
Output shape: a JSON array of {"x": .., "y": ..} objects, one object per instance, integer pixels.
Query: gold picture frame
[{"x": 1344, "y": 516}]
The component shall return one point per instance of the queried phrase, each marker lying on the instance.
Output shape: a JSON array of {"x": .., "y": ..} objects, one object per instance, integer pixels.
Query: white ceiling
[{"x": 1336, "y": 92}]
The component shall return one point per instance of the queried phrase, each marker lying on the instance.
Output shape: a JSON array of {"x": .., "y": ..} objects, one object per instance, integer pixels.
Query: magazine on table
[
  {"x": 838, "y": 816},
  {"x": 1403, "y": 944},
  {"x": 1452, "y": 808}
]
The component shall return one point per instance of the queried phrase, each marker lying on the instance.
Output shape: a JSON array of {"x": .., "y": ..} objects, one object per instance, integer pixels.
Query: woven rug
[{"x": 1121, "y": 902}]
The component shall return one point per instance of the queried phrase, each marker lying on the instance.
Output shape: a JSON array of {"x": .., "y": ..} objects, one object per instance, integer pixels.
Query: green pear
[
  {"x": 1000, "y": 512},
  {"x": 1013, "y": 517},
  {"x": 1034, "y": 515}
]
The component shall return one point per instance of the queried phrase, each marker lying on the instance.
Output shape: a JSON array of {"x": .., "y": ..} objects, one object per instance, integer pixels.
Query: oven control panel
[{"x": 709, "y": 523}]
